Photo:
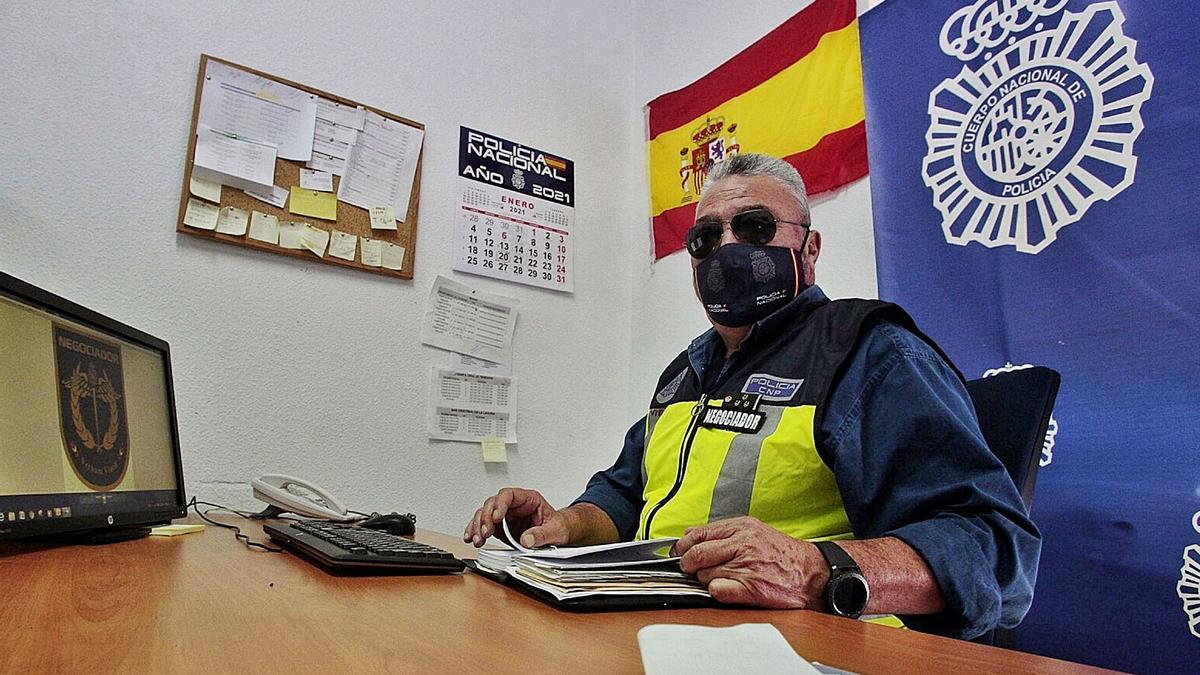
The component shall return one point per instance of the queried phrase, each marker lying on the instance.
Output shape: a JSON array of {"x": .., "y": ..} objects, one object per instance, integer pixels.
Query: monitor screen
[{"x": 88, "y": 435}]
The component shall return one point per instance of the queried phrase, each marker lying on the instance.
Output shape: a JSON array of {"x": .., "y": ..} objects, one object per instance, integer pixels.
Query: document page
[
  {"x": 638, "y": 550},
  {"x": 229, "y": 159},
  {"x": 677, "y": 649},
  {"x": 248, "y": 106},
  {"x": 471, "y": 406},
  {"x": 464, "y": 320},
  {"x": 381, "y": 166}
]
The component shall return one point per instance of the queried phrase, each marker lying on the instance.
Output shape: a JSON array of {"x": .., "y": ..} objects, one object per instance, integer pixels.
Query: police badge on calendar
[{"x": 515, "y": 212}]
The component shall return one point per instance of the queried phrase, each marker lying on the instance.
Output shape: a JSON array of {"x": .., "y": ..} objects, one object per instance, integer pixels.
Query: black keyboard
[{"x": 355, "y": 550}]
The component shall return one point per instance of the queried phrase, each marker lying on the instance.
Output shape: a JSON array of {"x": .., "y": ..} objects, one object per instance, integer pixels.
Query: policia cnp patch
[{"x": 738, "y": 413}]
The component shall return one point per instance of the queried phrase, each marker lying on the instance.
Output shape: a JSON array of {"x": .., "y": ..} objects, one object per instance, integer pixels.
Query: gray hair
[{"x": 754, "y": 164}]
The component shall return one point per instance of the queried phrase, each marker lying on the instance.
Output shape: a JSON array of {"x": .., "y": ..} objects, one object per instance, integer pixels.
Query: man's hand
[
  {"x": 530, "y": 517},
  {"x": 744, "y": 561}
]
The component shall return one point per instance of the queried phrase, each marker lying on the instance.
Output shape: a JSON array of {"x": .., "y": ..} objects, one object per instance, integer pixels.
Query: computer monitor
[{"x": 89, "y": 442}]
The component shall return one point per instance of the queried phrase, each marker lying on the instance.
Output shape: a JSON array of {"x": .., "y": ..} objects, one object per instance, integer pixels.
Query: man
[{"x": 797, "y": 420}]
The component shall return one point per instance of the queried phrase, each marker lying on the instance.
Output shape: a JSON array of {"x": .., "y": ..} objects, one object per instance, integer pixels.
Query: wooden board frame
[{"x": 351, "y": 219}]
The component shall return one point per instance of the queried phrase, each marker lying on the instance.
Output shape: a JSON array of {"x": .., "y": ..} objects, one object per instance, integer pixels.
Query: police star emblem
[
  {"x": 1188, "y": 588},
  {"x": 1038, "y": 125}
]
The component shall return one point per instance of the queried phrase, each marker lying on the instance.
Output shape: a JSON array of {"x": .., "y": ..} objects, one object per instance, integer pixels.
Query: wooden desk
[{"x": 206, "y": 603}]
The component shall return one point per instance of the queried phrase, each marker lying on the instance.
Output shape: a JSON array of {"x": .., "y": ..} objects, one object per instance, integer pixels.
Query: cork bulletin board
[{"x": 350, "y": 219}]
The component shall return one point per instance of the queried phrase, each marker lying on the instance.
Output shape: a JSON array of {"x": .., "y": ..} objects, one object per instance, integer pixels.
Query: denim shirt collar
[{"x": 707, "y": 345}]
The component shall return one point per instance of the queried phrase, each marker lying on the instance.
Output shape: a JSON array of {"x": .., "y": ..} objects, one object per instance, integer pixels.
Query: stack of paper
[{"x": 633, "y": 568}]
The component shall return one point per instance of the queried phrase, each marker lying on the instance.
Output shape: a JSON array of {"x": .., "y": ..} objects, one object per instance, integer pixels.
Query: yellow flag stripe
[{"x": 786, "y": 114}]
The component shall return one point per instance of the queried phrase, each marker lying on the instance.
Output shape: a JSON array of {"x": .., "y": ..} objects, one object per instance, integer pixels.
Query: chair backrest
[{"x": 1014, "y": 411}]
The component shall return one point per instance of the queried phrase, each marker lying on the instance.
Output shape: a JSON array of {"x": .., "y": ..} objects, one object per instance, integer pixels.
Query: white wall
[
  {"x": 666, "y": 314},
  {"x": 302, "y": 368}
]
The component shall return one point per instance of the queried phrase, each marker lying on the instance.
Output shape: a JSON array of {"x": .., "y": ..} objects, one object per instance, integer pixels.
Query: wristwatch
[{"x": 847, "y": 593}]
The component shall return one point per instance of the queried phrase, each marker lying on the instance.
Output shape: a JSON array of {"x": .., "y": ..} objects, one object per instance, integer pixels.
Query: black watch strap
[
  {"x": 847, "y": 593},
  {"x": 836, "y": 556}
]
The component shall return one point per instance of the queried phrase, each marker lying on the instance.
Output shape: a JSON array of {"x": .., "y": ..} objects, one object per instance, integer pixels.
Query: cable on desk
[
  {"x": 376, "y": 514},
  {"x": 237, "y": 531}
]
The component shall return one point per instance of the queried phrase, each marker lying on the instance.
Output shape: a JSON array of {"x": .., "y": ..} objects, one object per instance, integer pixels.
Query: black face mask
[{"x": 742, "y": 283}]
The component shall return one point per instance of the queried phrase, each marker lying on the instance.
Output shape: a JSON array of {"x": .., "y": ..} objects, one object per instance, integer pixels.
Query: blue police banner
[{"x": 1032, "y": 183}]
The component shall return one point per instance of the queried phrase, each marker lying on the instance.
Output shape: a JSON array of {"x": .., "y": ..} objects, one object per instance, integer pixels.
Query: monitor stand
[{"x": 109, "y": 535}]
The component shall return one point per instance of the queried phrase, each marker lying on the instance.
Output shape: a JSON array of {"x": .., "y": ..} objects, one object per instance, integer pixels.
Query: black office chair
[{"x": 1014, "y": 412}]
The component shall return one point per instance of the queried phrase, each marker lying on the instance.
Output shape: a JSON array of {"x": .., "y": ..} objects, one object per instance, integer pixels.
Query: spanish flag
[{"x": 796, "y": 94}]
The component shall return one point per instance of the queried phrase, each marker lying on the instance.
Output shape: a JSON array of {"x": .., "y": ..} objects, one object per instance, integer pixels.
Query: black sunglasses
[{"x": 756, "y": 226}]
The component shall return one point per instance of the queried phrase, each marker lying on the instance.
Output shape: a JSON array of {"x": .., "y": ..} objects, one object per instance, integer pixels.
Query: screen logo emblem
[{"x": 91, "y": 407}]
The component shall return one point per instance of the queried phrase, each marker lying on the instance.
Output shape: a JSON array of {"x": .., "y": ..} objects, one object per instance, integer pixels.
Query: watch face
[{"x": 848, "y": 594}]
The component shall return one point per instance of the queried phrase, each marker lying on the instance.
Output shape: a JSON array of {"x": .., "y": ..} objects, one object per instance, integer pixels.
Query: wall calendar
[{"x": 515, "y": 212}]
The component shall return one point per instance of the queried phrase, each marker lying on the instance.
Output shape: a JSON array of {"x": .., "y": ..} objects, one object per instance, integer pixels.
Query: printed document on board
[
  {"x": 381, "y": 166},
  {"x": 252, "y": 107},
  {"x": 232, "y": 160}
]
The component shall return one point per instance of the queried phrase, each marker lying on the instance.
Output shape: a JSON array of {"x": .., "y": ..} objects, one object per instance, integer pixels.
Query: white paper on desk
[
  {"x": 382, "y": 165},
  {"x": 638, "y": 550},
  {"x": 464, "y": 320},
  {"x": 677, "y": 649},
  {"x": 254, "y": 107},
  {"x": 311, "y": 179},
  {"x": 233, "y": 160},
  {"x": 470, "y": 407}
]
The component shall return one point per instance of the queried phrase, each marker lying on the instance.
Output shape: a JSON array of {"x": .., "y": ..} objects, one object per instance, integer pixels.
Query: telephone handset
[{"x": 286, "y": 493}]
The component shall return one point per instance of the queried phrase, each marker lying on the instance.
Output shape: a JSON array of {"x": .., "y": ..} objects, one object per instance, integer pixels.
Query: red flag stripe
[
  {"x": 752, "y": 66},
  {"x": 670, "y": 227},
  {"x": 837, "y": 159},
  {"x": 840, "y": 157}
]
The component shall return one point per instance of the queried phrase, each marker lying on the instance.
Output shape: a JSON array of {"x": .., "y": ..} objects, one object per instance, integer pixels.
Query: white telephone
[{"x": 286, "y": 493}]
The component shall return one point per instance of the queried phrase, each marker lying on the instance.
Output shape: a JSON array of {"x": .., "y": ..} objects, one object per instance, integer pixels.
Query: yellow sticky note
[
  {"x": 393, "y": 256},
  {"x": 206, "y": 189},
  {"x": 233, "y": 221},
  {"x": 382, "y": 218},
  {"x": 494, "y": 450},
  {"x": 291, "y": 234},
  {"x": 372, "y": 252},
  {"x": 313, "y": 203},
  {"x": 343, "y": 246},
  {"x": 200, "y": 215},
  {"x": 172, "y": 530},
  {"x": 314, "y": 239}
]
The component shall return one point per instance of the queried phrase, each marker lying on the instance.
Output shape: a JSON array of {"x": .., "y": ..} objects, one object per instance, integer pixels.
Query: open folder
[{"x": 626, "y": 575}]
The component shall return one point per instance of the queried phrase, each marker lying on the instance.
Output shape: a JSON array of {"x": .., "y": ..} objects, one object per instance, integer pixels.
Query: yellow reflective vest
[{"x": 745, "y": 441}]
